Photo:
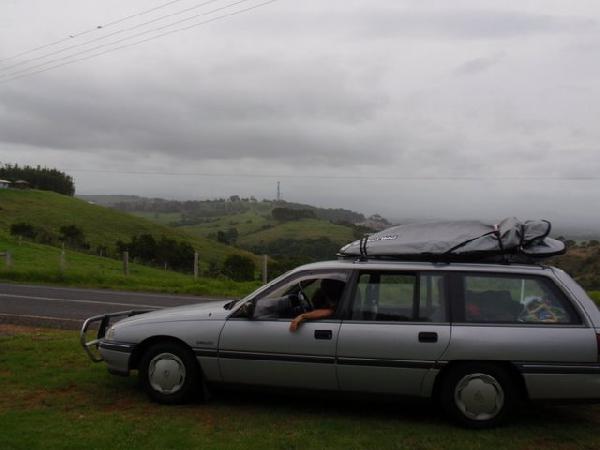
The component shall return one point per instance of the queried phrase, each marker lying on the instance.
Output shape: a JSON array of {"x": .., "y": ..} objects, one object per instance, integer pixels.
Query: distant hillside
[
  {"x": 102, "y": 226},
  {"x": 582, "y": 262},
  {"x": 109, "y": 200},
  {"x": 291, "y": 233},
  {"x": 193, "y": 212}
]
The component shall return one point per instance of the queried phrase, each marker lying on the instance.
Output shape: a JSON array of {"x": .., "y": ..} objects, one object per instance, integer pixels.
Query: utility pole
[{"x": 278, "y": 190}]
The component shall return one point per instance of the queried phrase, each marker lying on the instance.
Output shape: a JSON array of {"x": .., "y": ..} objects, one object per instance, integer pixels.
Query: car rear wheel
[
  {"x": 478, "y": 395},
  {"x": 170, "y": 373}
]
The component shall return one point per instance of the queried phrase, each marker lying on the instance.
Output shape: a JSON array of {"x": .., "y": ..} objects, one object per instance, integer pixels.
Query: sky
[{"x": 410, "y": 109}]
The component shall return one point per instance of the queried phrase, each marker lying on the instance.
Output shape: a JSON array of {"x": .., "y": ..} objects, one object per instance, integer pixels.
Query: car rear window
[{"x": 515, "y": 299}]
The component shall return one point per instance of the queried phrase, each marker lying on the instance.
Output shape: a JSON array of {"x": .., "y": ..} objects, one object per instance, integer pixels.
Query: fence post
[
  {"x": 264, "y": 270},
  {"x": 61, "y": 262},
  {"x": 195, "y": 265},
  {"x": 126, "y": 263},
  {"x": 8, "y": 259}
]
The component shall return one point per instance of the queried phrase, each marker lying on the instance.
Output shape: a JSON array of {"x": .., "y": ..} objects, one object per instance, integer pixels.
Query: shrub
[
  {"x": 23, "y": 229},
  {"x": 73, "y": 236}
]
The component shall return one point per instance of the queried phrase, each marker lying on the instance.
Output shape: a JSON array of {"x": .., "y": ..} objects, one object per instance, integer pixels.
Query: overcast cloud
[{"x": 310, "y": 92}]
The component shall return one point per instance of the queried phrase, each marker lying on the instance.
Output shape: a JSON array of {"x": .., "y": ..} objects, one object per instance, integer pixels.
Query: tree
[
  {"x": 39, "y": 177},
  {"x": 239, "y": 268}
]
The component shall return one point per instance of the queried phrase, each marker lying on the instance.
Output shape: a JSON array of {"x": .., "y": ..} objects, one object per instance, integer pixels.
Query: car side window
[
  {"x": 514, "y": 299},
  {"x": 399, "y": 297},
  {"x": 300, "y": 294}
]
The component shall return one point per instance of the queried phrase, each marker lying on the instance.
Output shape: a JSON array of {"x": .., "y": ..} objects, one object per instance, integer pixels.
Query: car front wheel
[
  {"x": 478, "y": 395},
  {"x": 169, "y": 373}
]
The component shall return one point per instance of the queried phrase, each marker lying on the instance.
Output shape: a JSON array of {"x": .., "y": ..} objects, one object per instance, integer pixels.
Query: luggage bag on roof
[{"x": 511, "y": 240}]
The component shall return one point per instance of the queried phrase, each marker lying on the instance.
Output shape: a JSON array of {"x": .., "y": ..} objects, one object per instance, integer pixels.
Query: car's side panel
[
  {"x": 563, "y": 386},
  {"x": 528, "y": 347},
  {"x": 388, "y": 357},
  {"x": 522, "y": 343},
  {"x": 201, "y": 336},
  {"x": 577, "y": 293},
  {"x": 265, "y": 352}
]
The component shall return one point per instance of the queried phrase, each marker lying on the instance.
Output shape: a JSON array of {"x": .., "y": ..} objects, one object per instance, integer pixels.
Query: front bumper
[
  {"x": 92, "y": 347},
  {"x": 116, "y": 355}
]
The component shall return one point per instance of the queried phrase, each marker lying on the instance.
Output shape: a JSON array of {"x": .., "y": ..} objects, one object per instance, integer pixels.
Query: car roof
[{"x": 358, "y": 264}]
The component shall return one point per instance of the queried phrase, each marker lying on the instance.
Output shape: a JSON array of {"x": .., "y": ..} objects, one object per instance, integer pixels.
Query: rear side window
[
  {"x": 515, "y": 299},
  {"x": 399, "y": 297}
]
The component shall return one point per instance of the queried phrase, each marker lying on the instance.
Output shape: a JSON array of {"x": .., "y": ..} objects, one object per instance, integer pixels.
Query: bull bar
[{"x": 105, "y": 322}]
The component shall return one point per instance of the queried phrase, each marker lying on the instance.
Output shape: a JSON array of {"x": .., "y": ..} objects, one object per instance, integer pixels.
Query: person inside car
[{"x": 324, "y": 301}]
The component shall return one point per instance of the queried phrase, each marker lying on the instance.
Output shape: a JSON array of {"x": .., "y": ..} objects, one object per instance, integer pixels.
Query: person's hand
[{"x": 296, "y": 323}]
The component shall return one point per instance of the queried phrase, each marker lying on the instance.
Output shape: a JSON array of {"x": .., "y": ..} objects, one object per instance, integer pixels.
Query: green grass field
[
  {"x": 36, "y": 263},
  {"x": 255, "y": 229},
  {"x": 160, "y": 218},
  {"x": 245, "y": 223},
  {"x": 102, "y": 226},
  {"x": 305, "y": 229},
  {"x": 55, "y": 398}
]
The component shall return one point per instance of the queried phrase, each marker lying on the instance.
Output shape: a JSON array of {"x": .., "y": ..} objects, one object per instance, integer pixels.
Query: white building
[{"x": 4, "y": 184}]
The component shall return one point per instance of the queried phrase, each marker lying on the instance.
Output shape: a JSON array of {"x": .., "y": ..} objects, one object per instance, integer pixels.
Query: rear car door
[
  {"x": 528, "y": 320},
  {"x": 263, "y": 351},
  {"x": 394, "y": 332}
]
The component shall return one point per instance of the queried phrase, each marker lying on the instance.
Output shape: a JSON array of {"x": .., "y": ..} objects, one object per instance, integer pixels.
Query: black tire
[
  {"x": 181, "y": 379},
  {"x": 478, "y": 395}
]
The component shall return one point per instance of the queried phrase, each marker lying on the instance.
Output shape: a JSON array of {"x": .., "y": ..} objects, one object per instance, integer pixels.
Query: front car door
[
  {"x": 263, "y": 351},
  {"x": 395, "y": 331}
]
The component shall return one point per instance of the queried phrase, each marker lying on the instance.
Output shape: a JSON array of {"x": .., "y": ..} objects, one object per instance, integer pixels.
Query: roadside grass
[
  {"x": 36, "y": 263},
  {"x": 54, "y": 397}
]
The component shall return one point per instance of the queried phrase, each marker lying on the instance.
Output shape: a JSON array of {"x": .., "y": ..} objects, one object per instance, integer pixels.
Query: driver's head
[{"x": 332, "y": 288}]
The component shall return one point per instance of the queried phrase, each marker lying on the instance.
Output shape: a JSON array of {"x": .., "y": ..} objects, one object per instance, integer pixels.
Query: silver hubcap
[
  {"x": 479, "y": 396},
  {"x": 166, "y": 373}
]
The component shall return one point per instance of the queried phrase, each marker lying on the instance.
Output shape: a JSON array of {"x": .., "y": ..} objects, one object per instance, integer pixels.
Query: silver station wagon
[
  {"x": 401, "y": 312},
  {"x": 476, "y": 337}
]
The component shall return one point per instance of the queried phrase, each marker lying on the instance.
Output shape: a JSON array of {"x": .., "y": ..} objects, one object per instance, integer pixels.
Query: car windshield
[{"x": 234, "y": 303}]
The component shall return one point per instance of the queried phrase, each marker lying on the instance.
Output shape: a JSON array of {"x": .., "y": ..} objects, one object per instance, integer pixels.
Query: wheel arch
[
  {"x": 140, "y": 349},
  {"x": 510, "y": 368}
]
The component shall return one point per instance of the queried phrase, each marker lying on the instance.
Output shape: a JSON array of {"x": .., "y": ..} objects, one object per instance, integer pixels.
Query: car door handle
[
  {"x": 323, "y": 334},
  {"x": 428, "y": 336}
]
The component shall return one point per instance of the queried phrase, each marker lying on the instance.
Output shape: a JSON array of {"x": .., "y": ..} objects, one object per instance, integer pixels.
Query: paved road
[{"x": 68, "y": 307}]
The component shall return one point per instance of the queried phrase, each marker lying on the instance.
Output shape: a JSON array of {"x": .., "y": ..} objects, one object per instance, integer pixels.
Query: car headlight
[{"x": 110, "y": 334}]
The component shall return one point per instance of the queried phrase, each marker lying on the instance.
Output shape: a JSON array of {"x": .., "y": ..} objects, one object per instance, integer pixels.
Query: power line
[
  {"x": 91, "y": 30},
  {"x": 114, "y": 33},
  {"x": 343, "y": 177},
  {"x": 223, "y": 16}
]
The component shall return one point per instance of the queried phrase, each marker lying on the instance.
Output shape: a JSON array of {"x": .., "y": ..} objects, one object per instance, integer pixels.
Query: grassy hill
[
  {"x": 102, "y": 226},
  {"x": 37, "y": 263},
  {"x": 301, "y": 229}
]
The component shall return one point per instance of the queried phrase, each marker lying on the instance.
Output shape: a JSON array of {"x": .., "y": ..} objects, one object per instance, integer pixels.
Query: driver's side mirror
[{"x": 246, "y": 310}]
